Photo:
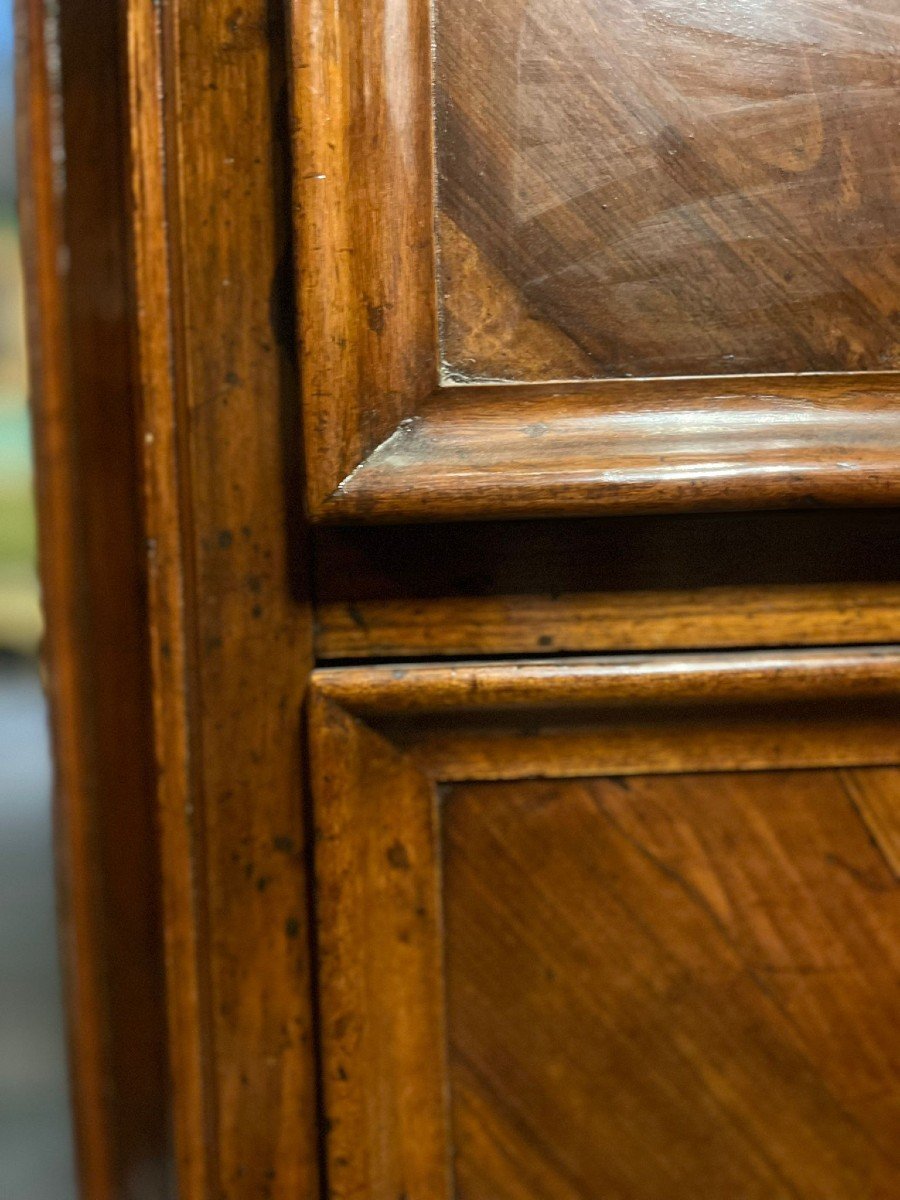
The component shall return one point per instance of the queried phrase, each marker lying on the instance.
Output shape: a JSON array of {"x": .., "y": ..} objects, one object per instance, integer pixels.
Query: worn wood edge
[
  {"x": 79, "y": 933},
  {"x": 189, "y": 1051},
  {"x": 243, "y": 1057},
  {"x": 715, "y": 617},
  {"x": 627, "y": 680},
  {"x": 115, "y": 1018},
  {"x": 631, "y": 446},
  {"x": 350, "y": 778},
  {"x": 350, "y": 763},
  {"x": 365, "y": 227},
  {"x": 385, "y": 440},
  {"x": 649, "y": 741}
]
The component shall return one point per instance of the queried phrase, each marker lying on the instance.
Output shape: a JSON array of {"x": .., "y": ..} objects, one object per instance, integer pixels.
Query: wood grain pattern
[
  {"x": 487, "y": 326},
  {"x": 378, "y": 919},
  {"x": 637, "y": 448},
  {"x": 617, "y": 680},
  {"x": 178, "y": 574},
  {"x": 595, "y": 929},
  {"x": 71, "y": 100},
  {"x": 876, "y": 804},
  {"x": 583, "y": 622},
  {"x": 675, "y": 190},
  {"x": 365, "y": 246},
  {"x": 681, "y": 984},
  {"x": 758, "y": 286},
  {"x": 229, "y": 611}
]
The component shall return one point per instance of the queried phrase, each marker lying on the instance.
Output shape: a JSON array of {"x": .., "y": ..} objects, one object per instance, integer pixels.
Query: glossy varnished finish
[
  {"x": 644, "y": 448},
  {"x": 71, "y": 105},
  {"x": 230, "y": 621},
  {"x": 760, "y": 677},
  {"x": 663, "y": 933},
  {"x": 741, "y": 249},
  {"x": 365, "y": 244},
  {"x": 672, "y": 985},
  {"x": 511, "y": 1098},
  {"x": 667, "y": 189},
  {"x": 174, "y": 574}
]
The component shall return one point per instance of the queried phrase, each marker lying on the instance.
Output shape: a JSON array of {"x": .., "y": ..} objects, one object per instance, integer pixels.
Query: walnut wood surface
[
  {"x": 378, "y": 918},
  {"x": 173, "y": 565},
  {"x": 653, "y": 980},
  {"x": 671, "y": 190},
  {"x": 230, "y": 621},
  {"x": 179, "y": 580},
  {"x": 617, "y": 584},
  {"x": 71, "y": 101},
  {"x": 740, "y": 247},
  {"x": 680, "y": 985},
  {"x": 715, "y": 617},
  {"x": 365, "y": 244},
  {"x": 648, "y": 447},
  {"x": 756, "y": 677}
]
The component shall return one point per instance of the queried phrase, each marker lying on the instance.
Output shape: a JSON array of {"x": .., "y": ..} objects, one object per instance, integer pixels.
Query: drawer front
[
  {"x": 560, "y": 258},
  {"x": 618, "y": 927}
]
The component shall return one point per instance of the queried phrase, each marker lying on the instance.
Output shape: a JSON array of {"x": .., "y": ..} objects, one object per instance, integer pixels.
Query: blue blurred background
[{"x": 35, "y": 1144}]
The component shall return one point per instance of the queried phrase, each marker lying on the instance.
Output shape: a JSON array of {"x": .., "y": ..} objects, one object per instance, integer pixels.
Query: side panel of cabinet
[
  {"x": 84, "y": 411},
  {"x": 174, "y": 573},
  {"x": 230, "y": 619}
]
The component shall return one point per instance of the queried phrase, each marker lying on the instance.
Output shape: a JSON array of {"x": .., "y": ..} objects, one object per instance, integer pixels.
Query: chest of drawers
[{"x": 468, "y": 440}]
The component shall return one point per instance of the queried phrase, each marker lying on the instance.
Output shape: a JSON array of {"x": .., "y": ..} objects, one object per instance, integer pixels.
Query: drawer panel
[
  {"x": 562, "y": 259},
  {"x": 612, "y": 926}
]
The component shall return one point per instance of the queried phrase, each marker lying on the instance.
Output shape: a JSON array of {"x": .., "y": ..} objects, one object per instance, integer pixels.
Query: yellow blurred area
[{"x": 20, "y": 621}]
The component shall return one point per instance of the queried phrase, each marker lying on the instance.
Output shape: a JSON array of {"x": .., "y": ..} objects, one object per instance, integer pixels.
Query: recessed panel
[
  {"x": 667, "y": 187},
  {"x": 682, "y": 986}
]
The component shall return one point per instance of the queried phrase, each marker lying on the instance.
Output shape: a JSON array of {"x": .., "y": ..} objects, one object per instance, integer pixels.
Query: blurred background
[{"x": 35, "y": 1145}]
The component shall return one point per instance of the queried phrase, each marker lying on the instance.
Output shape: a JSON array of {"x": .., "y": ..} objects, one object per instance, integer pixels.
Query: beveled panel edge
[
  {"x": 384, "y": 441},
  {"x": 364, "y": 226},
  {"x": 386, "y": 1122},
  {"x": 376, "y": 778},
  {"x": 634, "y": 447},
  {"x": 627, "y": 714},
  {"x": 614, "y": 681}
]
